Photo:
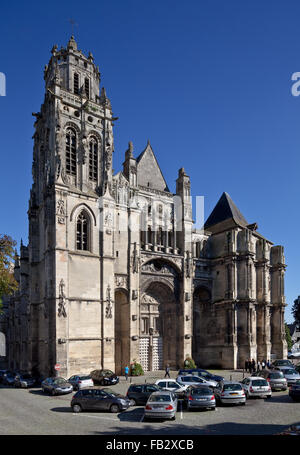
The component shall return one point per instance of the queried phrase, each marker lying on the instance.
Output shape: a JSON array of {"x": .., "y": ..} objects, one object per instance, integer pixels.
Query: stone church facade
[{"x": 114, "y": 270}]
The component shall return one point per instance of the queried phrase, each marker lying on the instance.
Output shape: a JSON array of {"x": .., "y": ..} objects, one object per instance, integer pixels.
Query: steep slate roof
[
  {"x": 149, "y": 173},
  {"x": 225, "y": 209}
]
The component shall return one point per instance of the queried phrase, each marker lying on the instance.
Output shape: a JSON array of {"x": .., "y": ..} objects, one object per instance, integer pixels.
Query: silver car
[
  {"x": 161, "y": 405},
  {"x": 79, "y": 381},
  {"x": 195, "y": 380},
  {"x": 200, "y": 397},
  {"x": 255, "y": 386},
  {"x": 290, "y": 374},
  {"x": 229, "y": 392},
  {"x": 56, "y": 386}
]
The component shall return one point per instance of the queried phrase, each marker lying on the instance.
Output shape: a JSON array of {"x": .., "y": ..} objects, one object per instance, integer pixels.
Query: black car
[
  {"x": 93, "y": 399},
  {"x": 139, "y": 393},
  {"x": 2, "y": 374},
  {"x": 9, "y": 378},
  {"x": 294, "y": 391},
  {"x": 202, "y": 373},
  {"x": 24, "y": 380},
  {"x": 104, "y": 377}
]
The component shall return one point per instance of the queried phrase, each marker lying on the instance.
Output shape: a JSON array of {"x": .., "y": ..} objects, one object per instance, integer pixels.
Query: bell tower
[{"x": 72, "y": 168}]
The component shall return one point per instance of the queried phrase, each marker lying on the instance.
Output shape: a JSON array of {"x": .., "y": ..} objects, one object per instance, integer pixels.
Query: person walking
[
  {"x": 268, "y": 364},
  {"x": 253, "y": 366},
  {"x": 259, "y": 366},
  {"x": 126, "y": 371},
  {"x": 263, "y": 364},
  {"x": 246, "y": 365},
  {"x": 250, "y": 366},
  {"x": 167, "y": 371}
]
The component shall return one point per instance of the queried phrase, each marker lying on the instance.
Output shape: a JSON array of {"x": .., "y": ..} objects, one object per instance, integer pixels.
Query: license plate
[{"x": 234, "y": 394}]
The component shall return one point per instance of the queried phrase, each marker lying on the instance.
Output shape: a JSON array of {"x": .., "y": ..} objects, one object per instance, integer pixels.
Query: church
[{"x": 114, "y": 270}]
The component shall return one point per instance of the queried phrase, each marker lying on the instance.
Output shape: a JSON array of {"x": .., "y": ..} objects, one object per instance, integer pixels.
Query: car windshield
[
  {"x": 276, "y": 375},
  {"x": 229, "y": 387},
  {"x": 282, "y": 362},
  {"x": 83, "y": 378},
  {"x": 160, "y": 398},
  {"x": 201, "y": 391},
  {"x": 108, "y": 372},
  {"x": 259, "y": 382},
  {"x": 59, "y": 381},
  {"x": 290, "y": 371},
  {"x": 110, "y": 391}
]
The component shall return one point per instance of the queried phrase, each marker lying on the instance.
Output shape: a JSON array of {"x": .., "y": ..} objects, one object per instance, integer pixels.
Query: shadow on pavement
[
  {"x": 226, "y": 428},
  {"x": 67, "y": 410}
]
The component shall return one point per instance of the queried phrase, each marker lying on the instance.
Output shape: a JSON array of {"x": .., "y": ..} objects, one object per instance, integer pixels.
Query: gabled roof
[
  {"x": 149, "y": 173},
  {"x": 225, "y": 209}
]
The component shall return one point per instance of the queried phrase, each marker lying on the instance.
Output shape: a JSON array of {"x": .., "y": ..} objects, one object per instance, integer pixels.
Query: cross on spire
[{"x": 73, "y": 23}]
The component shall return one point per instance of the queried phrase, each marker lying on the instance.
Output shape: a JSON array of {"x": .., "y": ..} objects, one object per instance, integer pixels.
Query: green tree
[
  {"x": 296, "y": 310},
  {"x": 288, "y": 337},
  {"x": 8, "y": 283}
]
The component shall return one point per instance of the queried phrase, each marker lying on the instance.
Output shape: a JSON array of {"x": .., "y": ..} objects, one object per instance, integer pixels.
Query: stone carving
[
  {"x": 60, "y": 211},
  {"x": 62, "y": 300},
  {"x": 121, "y": 281},
  {"x": 135, "y": 261},
  {"x": 188, "y": 264},
  {"x": 108, "y": 309}
]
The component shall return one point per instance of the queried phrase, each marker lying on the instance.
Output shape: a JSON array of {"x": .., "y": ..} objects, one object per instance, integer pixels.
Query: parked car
[
  {"x": 2, "y": 374},
  {"x": 104, "y": 377},
  {"x": 56, "y": 386},
  {"x": 256, "y": 386},
  {"x": 200, "y": 397},
  {"x": 173, "y": 386},
  {"x": 97, "y": 399},
  {"x": 290, "y": 374},
  {"x": 294, "y": 355},
  {"x": 24, "y": 380},
  {"x": 201, "y": 373},
  {"x": 282, "y": 363},
  {"x": 275, "y": 378},
  {"x": 79, "y": 381},
  {"x": 9, "y": 378},
  {"x": 138, "y": 394},
  {"x": 229, "y": 392},
  {"x": 294, "y": 391},
  {"x": 195, "y": 380},
  {"x": 161, "y": 405}
]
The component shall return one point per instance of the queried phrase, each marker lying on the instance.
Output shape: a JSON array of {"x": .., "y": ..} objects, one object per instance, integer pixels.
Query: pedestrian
[
  {"x": 268, "y": 364},
  {"x": 126, "y": 370},
  {"x": 263, "y": 364},
  {"x": 253, "y": 365},
  {"x": 167, "y": 371},
  {"x": 246, "y": 365},
  {"x": 250, "y": 366},
  {"x": 259, "y": 366}
]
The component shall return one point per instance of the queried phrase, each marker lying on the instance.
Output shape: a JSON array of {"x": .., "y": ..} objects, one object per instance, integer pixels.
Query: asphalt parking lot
[{"x": 31, "y": 412}]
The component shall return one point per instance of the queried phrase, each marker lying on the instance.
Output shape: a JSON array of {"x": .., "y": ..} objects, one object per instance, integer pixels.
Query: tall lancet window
[
  {"x": 87, "y": 87},
  {"x": 93, "y": 159},
  {"x": 83, "y": 231},
  {"x": 76, "y": 83},
  {"x": 71, "y": 152}
]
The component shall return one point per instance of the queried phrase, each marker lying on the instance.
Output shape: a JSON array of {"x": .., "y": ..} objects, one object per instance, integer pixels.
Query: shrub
[
  {"x": 189, "y": 363},
  {"x": 136, "y": 369}
]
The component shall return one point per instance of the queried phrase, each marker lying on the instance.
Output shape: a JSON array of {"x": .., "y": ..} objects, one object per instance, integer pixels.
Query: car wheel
[
  {"x": 53, "y": 392},
  {"x": 114, "y": 408},
  {"x": 269, "y": 396},
  {"x": 77, "y": 408},
  {"x": 133, "y": 402}
]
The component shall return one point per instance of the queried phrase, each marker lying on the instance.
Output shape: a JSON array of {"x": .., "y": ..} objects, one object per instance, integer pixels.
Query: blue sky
[{"x": 208, "y": 82}]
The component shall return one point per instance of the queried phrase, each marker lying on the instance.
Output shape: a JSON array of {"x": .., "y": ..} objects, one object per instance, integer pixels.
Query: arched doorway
[
  {"x": 122, "y": 331},
  {"x": 159, "y": 320}
]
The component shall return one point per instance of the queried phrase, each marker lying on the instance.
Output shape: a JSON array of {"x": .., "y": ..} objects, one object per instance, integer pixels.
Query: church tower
[{"x": 72, "y": 167}]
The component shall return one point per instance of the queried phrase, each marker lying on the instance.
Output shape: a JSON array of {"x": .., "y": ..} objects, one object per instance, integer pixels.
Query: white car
[
  {"x": 79, "y": 381},
  {"x": 172, "y": 385},
  {"x": 195, "y": 380},
  {"x": 255, "y": 386}
]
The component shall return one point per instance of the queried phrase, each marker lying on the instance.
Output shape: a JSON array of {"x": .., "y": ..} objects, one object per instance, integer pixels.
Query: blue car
[{"x": 202, "y": 373}]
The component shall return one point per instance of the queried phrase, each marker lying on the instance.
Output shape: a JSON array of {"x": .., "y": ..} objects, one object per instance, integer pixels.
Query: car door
[
  {"x": 162, "y": 384},
  {"x": 87, "y": 399},
  {"x": 102, "y": 400}
]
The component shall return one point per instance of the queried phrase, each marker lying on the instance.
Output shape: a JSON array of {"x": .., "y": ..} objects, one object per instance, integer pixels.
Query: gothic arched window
[
  {"x": 76, "y": 83},
  {"x": 83, "y": 231},
  {"x": 71, "y": 151},
  {"x": 93, "y": 159}
]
